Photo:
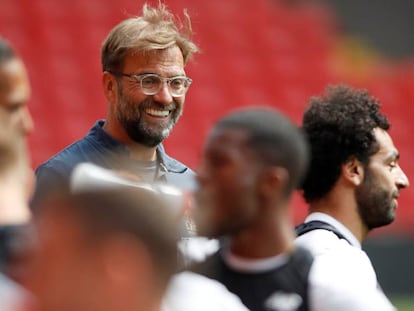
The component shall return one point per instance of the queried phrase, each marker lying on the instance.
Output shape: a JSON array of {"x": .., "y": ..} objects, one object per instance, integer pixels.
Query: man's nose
[
  {"x": 402, "y": 180},
  {"x": 163, "y": 96},
  {"x": 26, "y": 121}
]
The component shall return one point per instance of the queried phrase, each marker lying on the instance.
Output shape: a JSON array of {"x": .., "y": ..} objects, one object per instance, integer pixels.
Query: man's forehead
[
  {"x": 171, "y": 56},
  {"x": 385, "y": 142}
]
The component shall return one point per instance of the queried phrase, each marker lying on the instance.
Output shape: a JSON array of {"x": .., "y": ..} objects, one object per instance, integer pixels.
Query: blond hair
[{"x": 156, "y": 29}]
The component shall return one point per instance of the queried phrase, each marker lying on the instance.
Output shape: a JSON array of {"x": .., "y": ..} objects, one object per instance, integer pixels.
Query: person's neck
[
  {"x": 342, "y": 206},
  {"x": 272, "y": 235},
  {"x": 137, "y": 151},
  {"x": 13, "y": 207},
  {"x": 142, "y": 153}
]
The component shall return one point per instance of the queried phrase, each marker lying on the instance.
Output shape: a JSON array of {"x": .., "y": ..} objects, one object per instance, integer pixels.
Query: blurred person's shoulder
[
  {"x": 190, "y": 291},
  {"x": 14, "y": 297}
]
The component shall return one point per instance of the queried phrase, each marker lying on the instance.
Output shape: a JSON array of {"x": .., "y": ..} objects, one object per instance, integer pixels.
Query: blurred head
[
  {"x": 16, "y": 176},
  {"x": 108, "y": 249},
  {"x": 347, "y": 131},
  {"x": 253, "y": 159},
  {"x": 153, "y": 43},
  {"x": 14, "y": 91}
]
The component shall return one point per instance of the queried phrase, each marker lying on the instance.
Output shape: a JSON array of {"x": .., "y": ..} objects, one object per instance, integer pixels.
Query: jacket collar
[{"x": 167, "y": 163}]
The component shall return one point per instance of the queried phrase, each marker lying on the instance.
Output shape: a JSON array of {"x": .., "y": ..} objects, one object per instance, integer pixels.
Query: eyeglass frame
[{"x": 140, "y": 77}]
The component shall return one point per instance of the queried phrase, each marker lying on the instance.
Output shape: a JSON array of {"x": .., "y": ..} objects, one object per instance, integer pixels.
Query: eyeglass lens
[{"x": 152, "y": 84}]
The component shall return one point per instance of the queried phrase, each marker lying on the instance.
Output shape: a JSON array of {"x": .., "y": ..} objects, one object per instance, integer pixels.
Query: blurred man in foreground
[
  {"x": 253, "y": 160},
  {"x": 103, "y": 249},
  {"x": 15, "y": 118},
  {"x": 16, "y": 178},
  {"x": 14, "y": 218},
  {"x": 186, "y": 291}
]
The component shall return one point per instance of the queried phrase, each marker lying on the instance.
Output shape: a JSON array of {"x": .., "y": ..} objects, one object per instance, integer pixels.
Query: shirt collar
[
  {"x": 249, "y": 265},
  {"x": 105, "y": 139},
  {"x": 333, "y": 222},
  {"x": 254, "y": 265}
]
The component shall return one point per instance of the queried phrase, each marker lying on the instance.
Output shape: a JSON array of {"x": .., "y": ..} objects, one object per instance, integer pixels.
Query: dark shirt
[
  {"x": 100, "y": 148},
  {"x": 284, "y": 287}
]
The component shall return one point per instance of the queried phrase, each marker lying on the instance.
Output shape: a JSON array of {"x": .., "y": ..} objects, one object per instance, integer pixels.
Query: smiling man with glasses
[{"x": 144, "y": 82}]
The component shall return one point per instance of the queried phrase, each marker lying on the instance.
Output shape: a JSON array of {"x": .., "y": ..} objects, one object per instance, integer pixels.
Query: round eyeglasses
[{"x": 151, "y": 83}]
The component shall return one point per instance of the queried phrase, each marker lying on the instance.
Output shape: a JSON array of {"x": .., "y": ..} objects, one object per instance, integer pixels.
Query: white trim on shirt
[{"x": 333, "y": 222}]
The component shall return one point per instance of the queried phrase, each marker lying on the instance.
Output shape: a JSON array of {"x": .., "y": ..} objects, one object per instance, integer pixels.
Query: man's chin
[
  {"x": 148, "y": 139},
  {"x": 384, "y": 222}
]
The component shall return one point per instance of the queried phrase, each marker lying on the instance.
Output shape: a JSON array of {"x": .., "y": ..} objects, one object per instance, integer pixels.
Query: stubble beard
[
  {"x": 375, "y": 205},
  {"x": 129, "y": 115}
]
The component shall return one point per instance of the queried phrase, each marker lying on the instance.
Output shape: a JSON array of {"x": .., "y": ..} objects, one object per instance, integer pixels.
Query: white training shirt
[
  {"x": 342, "y": 277},
  {"x": 189, "y": 291}
]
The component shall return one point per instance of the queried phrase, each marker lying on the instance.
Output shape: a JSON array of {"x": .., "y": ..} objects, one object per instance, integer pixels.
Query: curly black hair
[{"x": 339, "y": 125}]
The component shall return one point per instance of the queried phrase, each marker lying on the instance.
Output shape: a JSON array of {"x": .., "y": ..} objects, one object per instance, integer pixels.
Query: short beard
[
  {"x": 129, "y": 115},
  {"x": 375, "y": 205}
]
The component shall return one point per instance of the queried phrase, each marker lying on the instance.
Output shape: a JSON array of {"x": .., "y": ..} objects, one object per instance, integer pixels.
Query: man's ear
[
  {"x": 110, "y": 86},
  {"x": 274, "y": 180},
  {"x": 353, "y": 171}
]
